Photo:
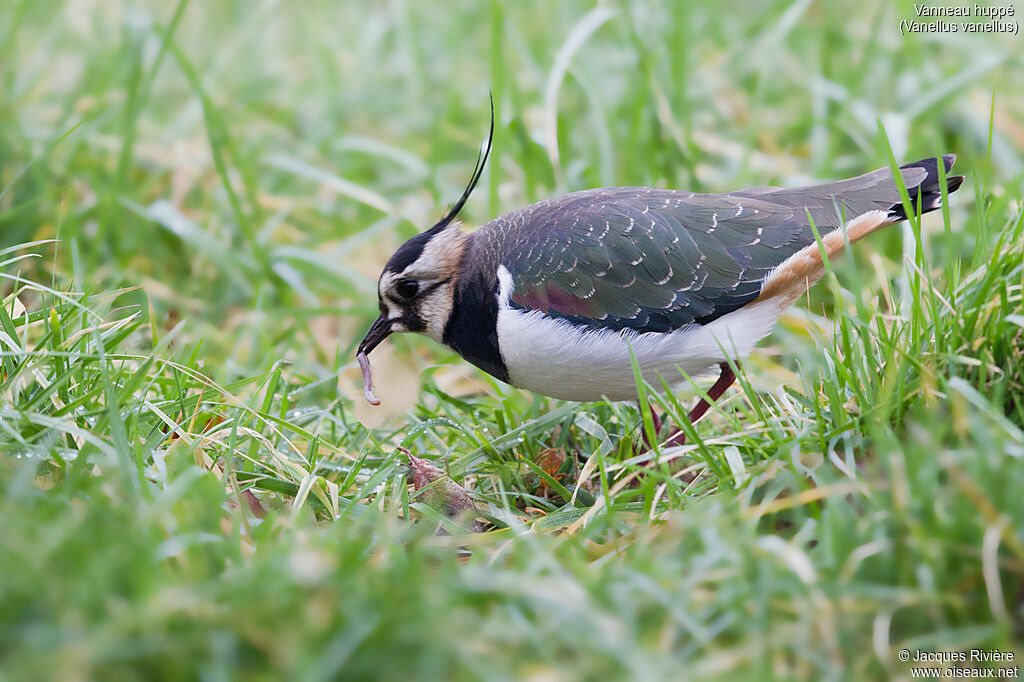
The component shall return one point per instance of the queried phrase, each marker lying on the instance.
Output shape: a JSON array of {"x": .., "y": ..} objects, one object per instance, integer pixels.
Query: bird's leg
[
  {"x": 657, "y": 424},
  {"x": 725, "y": 380}
]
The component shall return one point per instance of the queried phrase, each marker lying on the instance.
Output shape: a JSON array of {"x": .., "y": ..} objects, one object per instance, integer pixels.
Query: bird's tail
[
  {"x": 928, "y": 192},
  {"x": 796, "y": 274}
]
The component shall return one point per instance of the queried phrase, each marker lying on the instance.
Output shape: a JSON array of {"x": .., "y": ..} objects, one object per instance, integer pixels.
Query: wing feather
[{"x": 658, "y": 260}]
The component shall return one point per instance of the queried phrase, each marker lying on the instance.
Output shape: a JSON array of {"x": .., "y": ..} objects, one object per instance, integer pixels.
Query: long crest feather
[{"x": 478, "y": 170}]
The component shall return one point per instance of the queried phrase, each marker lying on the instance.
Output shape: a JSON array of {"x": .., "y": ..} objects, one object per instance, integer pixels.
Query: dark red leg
[
  {"x": 657, "y": 425},
  {"x": 725, "y": 380}
]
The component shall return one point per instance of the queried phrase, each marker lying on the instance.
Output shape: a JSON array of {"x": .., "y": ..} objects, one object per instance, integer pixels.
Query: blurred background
[
  {"x": 224, "y": 181},
  {"x": 253, "y": 174}
]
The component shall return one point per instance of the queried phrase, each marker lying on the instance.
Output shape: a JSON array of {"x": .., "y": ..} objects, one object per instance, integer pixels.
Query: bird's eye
[{"x": 406, "y": 289}]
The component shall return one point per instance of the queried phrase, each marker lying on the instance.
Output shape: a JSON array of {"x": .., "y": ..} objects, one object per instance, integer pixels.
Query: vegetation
[{"x": 195, "y": 202}]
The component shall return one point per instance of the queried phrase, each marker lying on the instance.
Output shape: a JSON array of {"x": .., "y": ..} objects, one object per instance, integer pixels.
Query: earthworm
[{"x": 364, "y": 364}]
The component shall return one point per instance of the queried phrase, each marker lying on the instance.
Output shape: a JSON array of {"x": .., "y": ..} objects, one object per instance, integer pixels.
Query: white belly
[{"x": 558, "y": 359}]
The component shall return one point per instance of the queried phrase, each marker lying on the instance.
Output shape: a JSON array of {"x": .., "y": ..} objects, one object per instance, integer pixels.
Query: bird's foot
[{"x": 725, "y": 380}]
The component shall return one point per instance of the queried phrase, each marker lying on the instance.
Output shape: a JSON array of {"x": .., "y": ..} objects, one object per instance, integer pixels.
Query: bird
[{"x": 560, "y": 297}]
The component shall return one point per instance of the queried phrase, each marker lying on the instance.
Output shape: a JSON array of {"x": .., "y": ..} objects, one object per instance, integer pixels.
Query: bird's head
[{"x": 416, "y": 290}]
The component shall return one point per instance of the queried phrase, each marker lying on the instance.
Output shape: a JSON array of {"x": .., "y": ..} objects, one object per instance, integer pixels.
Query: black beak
[{"x": 379, "y": 331}]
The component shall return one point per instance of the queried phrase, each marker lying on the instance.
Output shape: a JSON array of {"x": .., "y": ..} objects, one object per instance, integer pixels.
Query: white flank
[{"x": 562, "y": 360}]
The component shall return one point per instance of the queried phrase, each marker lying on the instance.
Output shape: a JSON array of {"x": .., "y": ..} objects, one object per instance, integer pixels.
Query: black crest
[
  {"x": 411, "y": 250},
  {"x": 478, "y": 170}
]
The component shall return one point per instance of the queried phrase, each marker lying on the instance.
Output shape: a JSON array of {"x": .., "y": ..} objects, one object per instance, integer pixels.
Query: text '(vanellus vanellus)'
[{"x": 554, "y": 297}]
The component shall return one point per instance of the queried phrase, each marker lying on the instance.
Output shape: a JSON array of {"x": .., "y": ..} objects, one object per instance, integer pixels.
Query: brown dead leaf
[
  {"x": 254, "y": 504},
  {"x": 441, "y": 492},
  {"x": 550, "y": 460}
]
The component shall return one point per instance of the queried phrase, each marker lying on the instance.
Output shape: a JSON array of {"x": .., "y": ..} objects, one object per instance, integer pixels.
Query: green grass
[{"x": 195, "y": 202}]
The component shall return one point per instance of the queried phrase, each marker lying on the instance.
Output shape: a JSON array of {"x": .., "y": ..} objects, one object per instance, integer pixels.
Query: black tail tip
[{"x": 928, "y": 193}]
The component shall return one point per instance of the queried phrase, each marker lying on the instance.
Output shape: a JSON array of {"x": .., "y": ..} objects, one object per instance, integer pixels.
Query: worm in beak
[{"x": 379, "y": 331}]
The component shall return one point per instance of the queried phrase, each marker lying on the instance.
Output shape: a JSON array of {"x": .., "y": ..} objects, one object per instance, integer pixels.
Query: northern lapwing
[{"x": 555, "y": 297}]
